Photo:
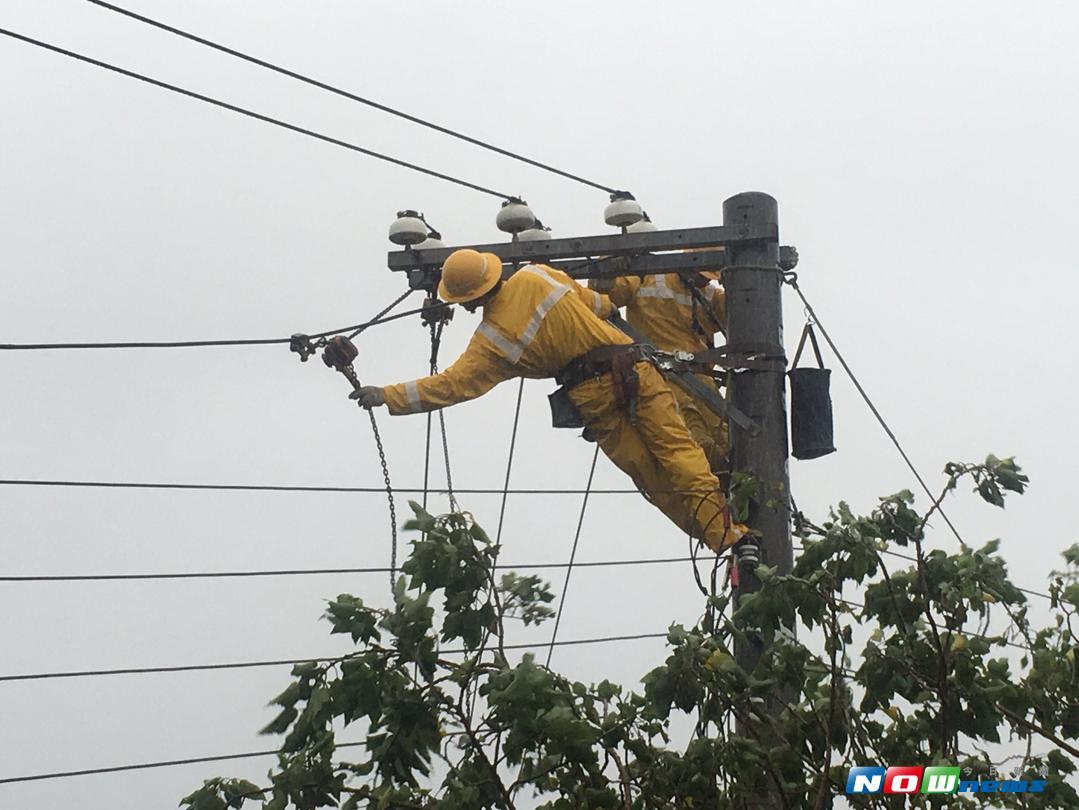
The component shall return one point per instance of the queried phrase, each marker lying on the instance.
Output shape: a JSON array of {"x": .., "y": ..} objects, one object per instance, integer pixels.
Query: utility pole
[{"x": 753, "y": 284}]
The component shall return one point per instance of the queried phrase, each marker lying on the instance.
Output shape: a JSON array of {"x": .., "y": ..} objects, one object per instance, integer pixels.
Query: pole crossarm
[
  {"x": 588, "y": 247},
  {"x": 647, "y": 264}
]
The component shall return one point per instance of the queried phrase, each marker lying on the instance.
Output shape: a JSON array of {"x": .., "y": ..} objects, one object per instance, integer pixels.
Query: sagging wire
[
  {"x": 289, "y": 572},
  {"x": 98, "y": 673},
  {"x": 159, "y": 764},
  {"x": 509, "y": 464},
  {"x": 346, "y": 94},
  {"x": 251, "y": 113},
  {"x": 303, "y": 344},
  {"x": 573, "y": 554},
  {"x": 791, "y": 278}
]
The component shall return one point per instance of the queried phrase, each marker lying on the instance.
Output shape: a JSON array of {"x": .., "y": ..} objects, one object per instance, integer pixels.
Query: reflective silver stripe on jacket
[
  {"x": 412, "y": 394},
  {"x": 513, "y": 349},
  {"x": 503, "y": 344},
  {"x": 661, "y": 290}
]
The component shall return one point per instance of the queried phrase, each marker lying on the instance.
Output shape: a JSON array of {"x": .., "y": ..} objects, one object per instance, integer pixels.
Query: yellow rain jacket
[
  {"x": 662, "y": 308},
  {"x": 538, "y": 322}
]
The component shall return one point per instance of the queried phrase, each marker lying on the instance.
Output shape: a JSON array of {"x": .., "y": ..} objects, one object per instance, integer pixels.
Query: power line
[
  {"x": 320, "y": 489},
  {"x": 168, "y": 763},
  {"x": 354, "y": 329},
  {"x": 572, "y": 555},
  {"x": 909, "y": 558},
  {"x": 793, "y": 281},
  {"x": 93, "y": 673},
  {"x": 41, "y": 482},
  {"x": 972, "y": 635},
  {"x": 290, "y": 572},
  {"x": 346, "y": 94},
  {"x": 252, "y": 114}
]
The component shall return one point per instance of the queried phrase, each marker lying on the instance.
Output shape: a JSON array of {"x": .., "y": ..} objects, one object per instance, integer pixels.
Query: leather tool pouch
[{"x": 564, "y": 413}]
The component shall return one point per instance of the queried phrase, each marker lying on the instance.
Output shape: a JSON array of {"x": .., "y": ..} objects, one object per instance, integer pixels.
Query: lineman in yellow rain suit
[
  {"x": 666, "y": 311},
  {"x": 540, "y": 323}
]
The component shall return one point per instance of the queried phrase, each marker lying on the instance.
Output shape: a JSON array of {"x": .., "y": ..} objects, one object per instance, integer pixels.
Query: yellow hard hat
[{"x": 467, "y": 274}]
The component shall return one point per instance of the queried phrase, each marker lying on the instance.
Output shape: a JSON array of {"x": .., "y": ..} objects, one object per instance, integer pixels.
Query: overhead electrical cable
[
  {"x": 288, "y": 572},
  {"x": 509, "y": 462},
  {"x": 355, "y": 329},
  {"x": 252, "y": 114},
  {"x": 792, "y": 280},
  {"x": 349, "y": 95},
  {"x": 40, "y": 482},
  {"x": 95, "y": 673},
  {"x": 572, "y": 555},
  {"x": 168, "y": 763}
]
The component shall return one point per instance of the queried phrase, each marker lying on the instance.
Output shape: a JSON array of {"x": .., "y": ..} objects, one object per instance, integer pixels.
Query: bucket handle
[{"x": 808, "y": 332}]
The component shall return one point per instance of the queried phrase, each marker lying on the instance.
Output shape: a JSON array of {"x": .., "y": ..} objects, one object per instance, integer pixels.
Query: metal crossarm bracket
[{"x": 587, "y": 247}]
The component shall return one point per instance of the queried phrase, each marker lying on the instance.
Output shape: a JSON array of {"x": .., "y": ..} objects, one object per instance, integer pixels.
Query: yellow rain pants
[
  {"x": 658, "y": 453},
  {"x": 538, "y": 322},
  {"x": 662, "y": 309}
]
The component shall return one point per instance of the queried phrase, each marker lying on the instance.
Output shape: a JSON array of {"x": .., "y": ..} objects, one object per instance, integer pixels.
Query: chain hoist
[{"x": 338, "y": 355}]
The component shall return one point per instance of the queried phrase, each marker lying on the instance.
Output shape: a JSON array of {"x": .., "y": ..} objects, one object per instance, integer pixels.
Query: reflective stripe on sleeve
[
  {"x": 597, "y": 304},
  {"x": 412, "y": 394},
  {"x": 501, "y": 342}
]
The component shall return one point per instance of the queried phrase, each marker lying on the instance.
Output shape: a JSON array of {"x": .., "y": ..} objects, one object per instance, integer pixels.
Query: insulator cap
[
  {"x": 644, "y": 226},
  {"x": 408, "y": 229},
  {"x": 515, "y": 216},
  {"x": 430, "y": 243},
  {"x": 623, "y": 210},
  {"x": 537, "y": 233}
]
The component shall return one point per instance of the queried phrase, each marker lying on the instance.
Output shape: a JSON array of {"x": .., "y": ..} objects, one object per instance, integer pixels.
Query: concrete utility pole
[{"x": 755, "y": 321}]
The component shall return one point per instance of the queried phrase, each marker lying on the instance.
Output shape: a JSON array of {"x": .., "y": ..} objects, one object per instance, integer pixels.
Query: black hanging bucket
[{"x": 811, "y": 404}]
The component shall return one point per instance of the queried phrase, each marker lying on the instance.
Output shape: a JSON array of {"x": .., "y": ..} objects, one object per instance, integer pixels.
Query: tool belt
[{"x": 618, "y": 361}]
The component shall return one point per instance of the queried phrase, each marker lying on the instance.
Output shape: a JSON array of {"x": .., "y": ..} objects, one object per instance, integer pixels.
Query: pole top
[{"x": 750, "y": 208}]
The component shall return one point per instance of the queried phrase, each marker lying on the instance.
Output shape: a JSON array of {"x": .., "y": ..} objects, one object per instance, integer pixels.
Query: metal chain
[
  {"x": 436, "y": 342},
  {"x": 389, "y": 497},
  {"x": 446, "y": 454}
]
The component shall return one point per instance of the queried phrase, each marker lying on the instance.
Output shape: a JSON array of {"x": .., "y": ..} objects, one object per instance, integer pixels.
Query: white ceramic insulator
[
  {"x": 534, "y": 235},
  {"x": 430, "y": 243},
  {"x": 622, "y": 213},
  {"x": 408, "y": 230},
  {"x": 644, "y": 226},
  {"x": 515, "y": 217}
]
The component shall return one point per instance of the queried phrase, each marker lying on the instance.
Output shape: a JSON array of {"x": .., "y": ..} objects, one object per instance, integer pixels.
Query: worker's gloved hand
[{"x": 369, "y": 396}]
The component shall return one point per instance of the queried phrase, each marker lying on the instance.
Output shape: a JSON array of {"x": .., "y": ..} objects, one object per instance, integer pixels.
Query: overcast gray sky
[{"x": 923, "y": 156}]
